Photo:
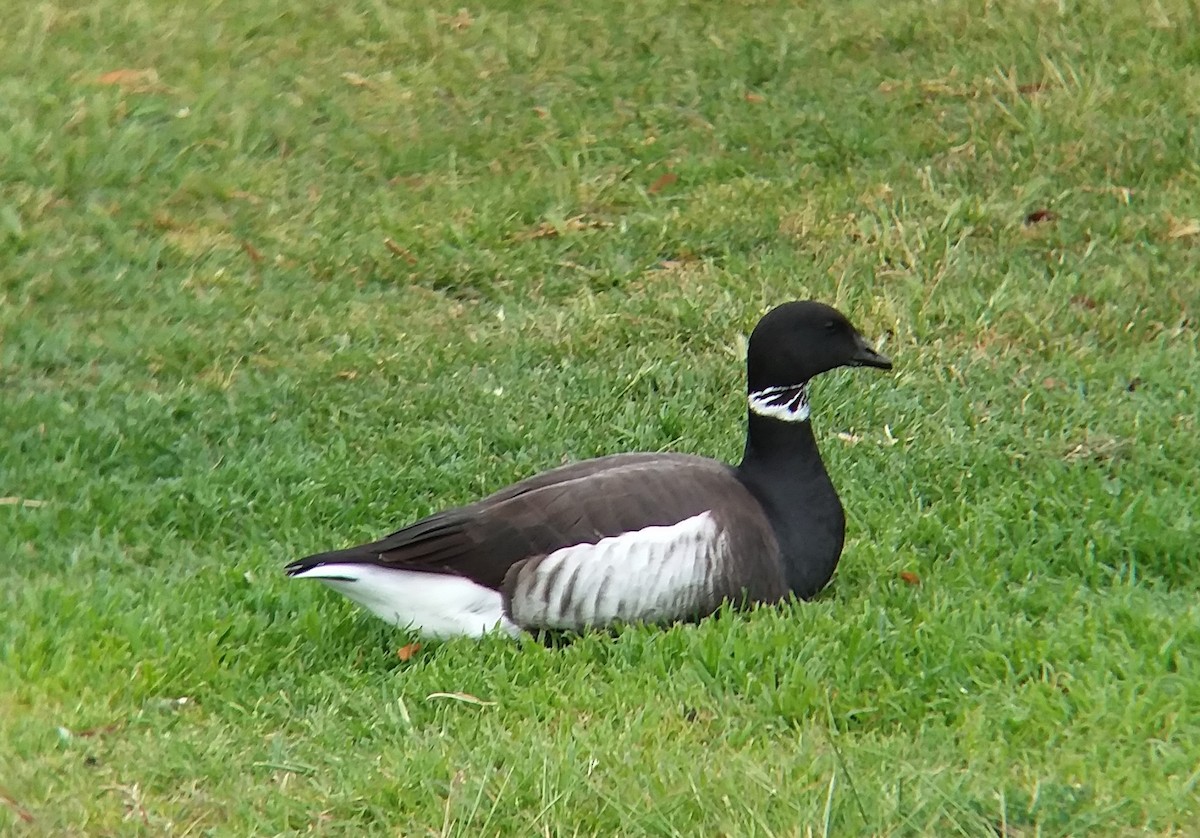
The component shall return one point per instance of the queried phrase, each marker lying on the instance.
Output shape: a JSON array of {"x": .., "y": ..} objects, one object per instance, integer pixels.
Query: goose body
[{"x": 631, "y": 537}]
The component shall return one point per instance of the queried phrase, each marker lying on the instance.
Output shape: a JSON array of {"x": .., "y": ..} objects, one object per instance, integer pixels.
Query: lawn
[{"x": 279, "y": 277}]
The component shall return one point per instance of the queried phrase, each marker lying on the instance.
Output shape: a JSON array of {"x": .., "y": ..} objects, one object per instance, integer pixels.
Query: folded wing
[{"x": 632, "y": 537}]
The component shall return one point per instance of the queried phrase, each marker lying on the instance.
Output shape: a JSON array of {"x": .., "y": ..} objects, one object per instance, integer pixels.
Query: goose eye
[{"x": 830, "y": 325}]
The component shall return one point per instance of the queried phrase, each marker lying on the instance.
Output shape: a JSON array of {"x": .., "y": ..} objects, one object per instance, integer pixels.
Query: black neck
[
  {"x": 773, "y": 445},
  {"x": 782, "y": 468}
]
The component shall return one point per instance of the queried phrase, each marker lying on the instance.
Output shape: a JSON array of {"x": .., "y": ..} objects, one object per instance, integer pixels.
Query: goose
[{"x": 649, "y": 538}]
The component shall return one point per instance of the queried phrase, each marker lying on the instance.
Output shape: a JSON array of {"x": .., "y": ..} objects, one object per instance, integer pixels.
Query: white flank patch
[
  {"x": 435, "y": 604},
  {"x": 649, "y": 575},
  {"x": 789, "y": 404}
]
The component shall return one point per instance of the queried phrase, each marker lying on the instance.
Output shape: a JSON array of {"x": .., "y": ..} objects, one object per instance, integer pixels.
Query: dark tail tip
[{"x": 301, "y": 565}]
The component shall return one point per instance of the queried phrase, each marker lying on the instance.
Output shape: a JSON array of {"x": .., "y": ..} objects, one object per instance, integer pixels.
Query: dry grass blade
[
  {"x": 133, "y": 81},
  {"x": 1096, "y": 448},
  {"x": 402, "y": 252},
  {"x": 21, "y": 812},
  {"x": 465, "y": 698},
  {"x": 574, "y": 224},
  {"x": 31, "y": 503},
  {"x": 1182, "y": 228}
]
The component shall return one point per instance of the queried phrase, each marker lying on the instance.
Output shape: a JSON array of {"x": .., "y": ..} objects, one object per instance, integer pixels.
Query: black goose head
[{"x": 799, "y": 340}]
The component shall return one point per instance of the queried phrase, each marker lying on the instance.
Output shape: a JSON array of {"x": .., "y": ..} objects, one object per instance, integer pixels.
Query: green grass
[{"x": 317, "y": 275}]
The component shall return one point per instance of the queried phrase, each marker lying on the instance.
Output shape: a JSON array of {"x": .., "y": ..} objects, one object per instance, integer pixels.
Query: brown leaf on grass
[
  {"x": 574, "y": 224},
  {"x": 466, "y": 698},
  {"x": 679, "y": 271},
  {"x": 1182, "y": 228},
  {"x": 403, "y": 253},
  {"x": 1052, "y": 384},
  {"x": 1085, "y": 301},
  {"x": 677, "y": 263},
  {"x": 1040, "y": 216},
  {"x": 21, "y": 812},
  {"x": 662, "y": 182},
  {"x": 252, "y": 251},
  {"x": 355, "y": 80},
  {"x": 755, "y": 98},
  {"x": 132, "y": 81},
  {"x": 909, "y": 577},
  {"x": 406, "y": 652},
  {"x": 1035, "y": 87},
  {"x": 541, "y": 112}
]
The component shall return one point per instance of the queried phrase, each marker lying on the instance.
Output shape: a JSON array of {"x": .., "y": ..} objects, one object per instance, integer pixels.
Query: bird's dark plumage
[{"x": 632, "y": 537}]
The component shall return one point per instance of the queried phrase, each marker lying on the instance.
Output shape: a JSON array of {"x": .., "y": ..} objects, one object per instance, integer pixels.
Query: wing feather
[
  {"x": 573, "y": 507},
  {"x": 659, "y": 573},
  {"x": 655, "y": 574}
]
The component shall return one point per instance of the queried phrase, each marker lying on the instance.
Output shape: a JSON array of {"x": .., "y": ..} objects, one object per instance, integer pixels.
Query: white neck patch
[{"x": 788, "y": 404}]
